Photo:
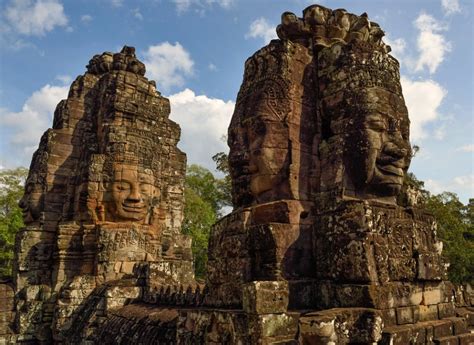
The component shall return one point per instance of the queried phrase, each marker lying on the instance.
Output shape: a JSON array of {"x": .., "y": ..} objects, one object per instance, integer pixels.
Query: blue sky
[{"x": 196, "y": 49}]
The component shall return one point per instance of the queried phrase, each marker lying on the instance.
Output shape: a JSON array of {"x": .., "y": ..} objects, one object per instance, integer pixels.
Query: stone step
[
  {"x": 466, "y": 338},
  {"x": 460, "y": 325},
  {"x": 445, "y": 331},
  {"x": 467, "y": 313},
  {"x": 450, "y": 340}
]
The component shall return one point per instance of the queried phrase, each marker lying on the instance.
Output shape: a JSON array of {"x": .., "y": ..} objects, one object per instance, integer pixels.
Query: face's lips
[
  {"x": 133, "y": 208},
  {"x": 391, "y": 170}
]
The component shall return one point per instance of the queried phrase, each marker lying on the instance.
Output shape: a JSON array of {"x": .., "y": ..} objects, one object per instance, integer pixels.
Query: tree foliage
[
  {"x": 224, "y": 184},
  {"x": 11, "y": 217},
  {"x": 205, "y": 198},
  {"x": 456, "y": 230}
]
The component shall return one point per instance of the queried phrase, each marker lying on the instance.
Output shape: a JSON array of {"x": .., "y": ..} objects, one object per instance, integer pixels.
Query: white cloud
[
  {"x": 466, "y": 148},
  {"x": 461, "y": 185},
  {"x": 201, "y": 5},
  {"x": 440, "y": 132},
  {"x": 116, "y": 3},
  {"x": 168, "y": 65},
  {"x": 212, "y": 67},
  {"x": 203, "y": 122},
  {"x": 423, "y": 99},
  {"x": 25, "y": 127},
  {"x": 465, "y": 181},
  {"x": 86, "y": 18},
  {"x": 19, "y": 44},
  {"x": 431, "y": 45},
  {"x": 35, "y": 18},
  {"x": 261, "y": 28},
  {"x": 65, "y": 79},
  {"x": 137, "y": 14},
  {"x": 434, "y": 187},
  {"x": 450, "y": 6},
  {"x": 398, "y": 47},
  {"x": 222, "y": 3}
]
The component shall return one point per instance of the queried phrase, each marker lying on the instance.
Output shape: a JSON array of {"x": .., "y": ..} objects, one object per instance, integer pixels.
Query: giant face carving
[
  {"x": 377, "y": 146},
  {"x": 259, "y": 151},
  {"x": 267, "y": 160},
  {"x": 131, "y": 193},
  {"x": 32, "y": 201}
]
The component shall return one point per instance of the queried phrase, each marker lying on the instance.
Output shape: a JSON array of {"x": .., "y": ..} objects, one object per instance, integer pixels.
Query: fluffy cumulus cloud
[
  {"x": 168, "y": 64},
  {"x": 261, "y": 28},
  {"x": 423, "y": 98},
  {"x": 203, "y": 122},
  {"x": 450, "y": 6},
  {"x": 431, "y": 44},
  {"x": 24, "y": 128},
  {"x": 35, "y": 18}
]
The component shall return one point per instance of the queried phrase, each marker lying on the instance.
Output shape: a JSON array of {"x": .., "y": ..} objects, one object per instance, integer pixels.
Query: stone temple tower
[{"x": 104, "y": 196}]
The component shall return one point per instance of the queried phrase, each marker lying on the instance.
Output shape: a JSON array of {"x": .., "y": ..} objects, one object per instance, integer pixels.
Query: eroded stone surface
[
  {"x": 319, "y": 148},
  {"x": 103, "y": 198}
]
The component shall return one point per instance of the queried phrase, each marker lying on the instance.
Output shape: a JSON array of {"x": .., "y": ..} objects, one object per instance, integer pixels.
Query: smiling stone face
[
  {"x": 377, "y": 149},
  {"x": 365, "y": 125},
  {"x": 131, "y": 192}
]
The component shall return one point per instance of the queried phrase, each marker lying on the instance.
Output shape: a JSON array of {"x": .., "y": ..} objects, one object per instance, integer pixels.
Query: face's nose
[
  {"x": 134, "y": 195},
  {"x": 394, "y": 150}
]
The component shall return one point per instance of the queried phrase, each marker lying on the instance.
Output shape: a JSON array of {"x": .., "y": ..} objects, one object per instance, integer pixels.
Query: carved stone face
[
  {"x": 131, "y": 193},
  {"x": 258, "y": 147},
  {"x": 379, "y": 150},
  {"x": 32, "y": 201},
  {"x": 258, "y": 158},
  {"x": 267, "y": 162}
]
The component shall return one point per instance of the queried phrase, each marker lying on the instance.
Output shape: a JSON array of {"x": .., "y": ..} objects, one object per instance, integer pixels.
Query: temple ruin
[{"x": 320, "y": 248}]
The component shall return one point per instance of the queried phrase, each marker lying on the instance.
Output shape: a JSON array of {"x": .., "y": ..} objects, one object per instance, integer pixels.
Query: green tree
[
  {"x": 204, "y": 201},
  {"x": 11, "y": 217},
  {"x": 455, "y": 229},
  {"x": 224, "y": 184}
]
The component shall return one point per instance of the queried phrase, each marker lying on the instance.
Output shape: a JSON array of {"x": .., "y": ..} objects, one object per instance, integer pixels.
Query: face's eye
[
  {"x": 121, "y": 186},
  {"x": 376, "y": 123},
  {"x": 393, "y": 125},
  {"x": 145, "y": 188},
  {"x": 260, "y": 128}
]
